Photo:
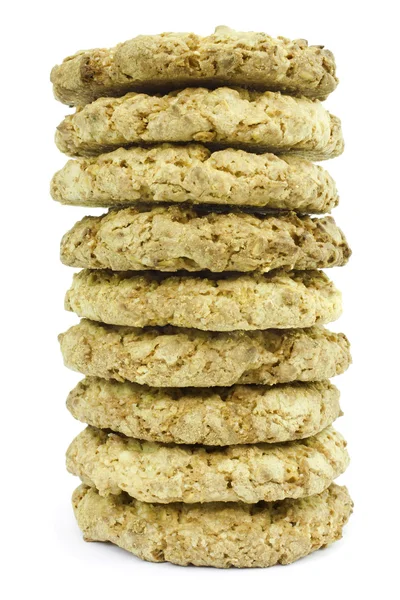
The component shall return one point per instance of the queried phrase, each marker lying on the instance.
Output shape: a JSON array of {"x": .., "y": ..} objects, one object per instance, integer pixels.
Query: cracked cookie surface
[
  {"x": 194, "y": 174},
  {"x": 242, "y": 414},
  {"x": 174, "y": 238},
  {"x": 154, "y": 472},
  {"x": 215, "y": 534},
  {"x": 175, "y": 357},
  {"x": 278, "y": 300},
  {"x": 173, "y": 60},
  {"x": 224, "y": 117}
]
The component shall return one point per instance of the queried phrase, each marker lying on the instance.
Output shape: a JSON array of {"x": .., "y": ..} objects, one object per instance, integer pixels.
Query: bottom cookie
[{"x": 217, "y": 534}]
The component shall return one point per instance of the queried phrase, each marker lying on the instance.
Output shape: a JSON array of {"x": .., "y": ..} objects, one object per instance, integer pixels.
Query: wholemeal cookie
[
  {"x": 174, "y": 357},
  {"x": 173, "y": 60},
  {"x": 193, "y": 174},
  {"x": 242, "y": 414},
  {"x": 278, "y": 300},
  {"x": 172, "y": 238},
  {"x": 154, "y": 472},
  {"x": 262, "y": 122},
  {"x": 215, "y": 535}
]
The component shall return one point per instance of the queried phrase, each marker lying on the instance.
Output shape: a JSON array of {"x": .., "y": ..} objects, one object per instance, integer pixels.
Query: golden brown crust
[
  {"x": 242, "y": 414},
  {"x": 278, "y": 300},
  {"x": 174, "y": 238},
  {"x": 154, "y": 472},
  {"x": 224, "y": 117},
  {"x": 171, "y": 60},
  {"x": 193, "y": 174},
  {"x": 174, "y": 357}
]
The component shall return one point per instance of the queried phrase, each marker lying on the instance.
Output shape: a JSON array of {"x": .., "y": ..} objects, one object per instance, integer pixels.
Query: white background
[{"x": 45, "y": 554}]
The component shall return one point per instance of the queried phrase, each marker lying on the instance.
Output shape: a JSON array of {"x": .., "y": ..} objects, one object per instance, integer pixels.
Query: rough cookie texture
[
  {"x": 194, "y": 174},
  {"x": 275, "y": 300},
  {"x": 173, "y": 60},
  {"x": 174, "y": 357},
  {"x": 217, "y": 534},
  {"x": 173, "y": 238},
  {"x": 154, "y": 472},
  {"x": 263, "y": 122},
  {"x": 242, "y": 414}
]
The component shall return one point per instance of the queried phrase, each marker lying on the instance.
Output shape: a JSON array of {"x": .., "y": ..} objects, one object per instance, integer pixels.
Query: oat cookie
[
  {"x": 262, "y": 122},
  {"x": 278, "y": 300},
  {"x": 193, "y": 174},
  {"x": 154, "y": 472},
  {"x": 215, "y": 535},
  {"x": 175, "y": 357},
  {"x": 172, "y": 60},
  {"x": 242, "y": 414},
  {"x": 173, "y": 238}
]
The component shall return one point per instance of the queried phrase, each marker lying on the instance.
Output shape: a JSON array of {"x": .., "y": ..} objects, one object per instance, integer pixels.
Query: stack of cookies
[{"x": 203, "y": 304}]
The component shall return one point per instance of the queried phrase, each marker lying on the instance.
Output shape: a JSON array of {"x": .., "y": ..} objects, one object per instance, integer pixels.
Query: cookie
[
  {"x": 278, "y": 300},
  {"x": 193, "y": 174},
  {"x": 174, "y": 60},
  {"x": 154, "y": 472},
  {"x": 242, "y": 414},
  {"x": 173, "y": 238},
  {"x": 261, "y": 122},
  {"x": 217, "y": 534},
  {"x": 174, "y": 357}
]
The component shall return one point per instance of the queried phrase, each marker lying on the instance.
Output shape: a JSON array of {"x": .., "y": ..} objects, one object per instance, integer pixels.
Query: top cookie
[{"x": 174, "y": 60}]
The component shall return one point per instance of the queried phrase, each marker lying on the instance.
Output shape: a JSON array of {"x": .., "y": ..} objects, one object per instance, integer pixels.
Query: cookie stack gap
[{"x": 203, "y": 338}]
